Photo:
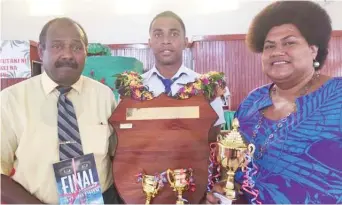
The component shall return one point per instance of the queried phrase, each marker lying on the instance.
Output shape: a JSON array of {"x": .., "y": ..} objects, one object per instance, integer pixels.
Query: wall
[
  {"x": 143, "y": 53},
  {"x": 110, "y": 21}
]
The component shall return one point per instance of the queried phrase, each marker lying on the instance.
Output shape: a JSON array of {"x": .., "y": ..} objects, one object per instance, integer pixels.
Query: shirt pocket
[{"x": 95, "y": 139}]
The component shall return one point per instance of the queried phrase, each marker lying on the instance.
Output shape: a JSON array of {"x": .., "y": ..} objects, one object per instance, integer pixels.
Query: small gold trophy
[
  {"x": 151, "y": 185},
  {"x": 179, "y": 180},
  {"x": 231, "y": 155}
]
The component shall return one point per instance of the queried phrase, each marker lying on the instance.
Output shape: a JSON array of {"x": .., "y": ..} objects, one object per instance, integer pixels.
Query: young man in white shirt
[{"x": 167, "y": 41}]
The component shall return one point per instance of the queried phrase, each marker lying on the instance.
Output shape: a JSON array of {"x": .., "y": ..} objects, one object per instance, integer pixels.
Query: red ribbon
[{"x": 248, "y": 182}]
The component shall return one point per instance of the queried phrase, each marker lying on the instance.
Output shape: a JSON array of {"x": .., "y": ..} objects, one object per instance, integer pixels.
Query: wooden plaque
[{"x": 160, "y": 134}]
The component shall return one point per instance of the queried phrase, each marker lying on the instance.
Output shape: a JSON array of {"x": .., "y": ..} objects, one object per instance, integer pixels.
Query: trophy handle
[
  {"x": 213, "y": 145},
  {"x": 168, "y": 173},
  {"x": 157, "y": 186},
  {"x": 251, "y": 149}
]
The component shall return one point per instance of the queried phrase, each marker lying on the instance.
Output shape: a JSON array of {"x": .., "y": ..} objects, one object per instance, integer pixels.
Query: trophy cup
[
  {"x": 151, "y": 185},
  {"x": 231, "y": 150},
  {"x": 179, "y": 180}
]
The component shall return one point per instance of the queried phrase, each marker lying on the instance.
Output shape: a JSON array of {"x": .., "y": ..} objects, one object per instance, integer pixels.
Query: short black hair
[
  {"x": 42, "y": 35},
  {"x": 169, "y": 14},
  {"x": 310, "y": 18}
]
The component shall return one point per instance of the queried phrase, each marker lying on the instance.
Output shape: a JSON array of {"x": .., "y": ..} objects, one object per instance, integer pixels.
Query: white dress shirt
[
  {"x": 29, "y": 137},
  {"x": 184, "y": 76}
]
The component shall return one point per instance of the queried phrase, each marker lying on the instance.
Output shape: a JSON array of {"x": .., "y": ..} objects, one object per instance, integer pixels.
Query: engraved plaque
[{"x": 162, "y": 113}]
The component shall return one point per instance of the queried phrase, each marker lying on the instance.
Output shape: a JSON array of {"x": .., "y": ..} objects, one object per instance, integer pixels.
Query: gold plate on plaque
[
  {"x": 162, "y": 113},
  {"x": 126, "y": 126}
]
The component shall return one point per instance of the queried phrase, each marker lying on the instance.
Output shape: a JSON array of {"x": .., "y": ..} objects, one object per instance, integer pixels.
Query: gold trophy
[
  {"x": 151, "y": 185},
  {"x": 179, "y": 180},
  {"x": 231, "y": 152}
]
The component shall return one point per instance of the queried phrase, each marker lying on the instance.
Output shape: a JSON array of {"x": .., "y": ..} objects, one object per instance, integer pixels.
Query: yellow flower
[
  {"x": 213, "y": 73},
  {"x": 184, "y": 96},
  {"x": 204, "y": 76},
  {"x": 188, "y": 89},
  {"x": 148, "y": 95},
  {"x": 134, "y": 83},
  {"x": 139, "y": 86},
  {"x": 198, "y": 85},
  {"x": 137, "y": 93},
  {"x": 130, "y": 78}
]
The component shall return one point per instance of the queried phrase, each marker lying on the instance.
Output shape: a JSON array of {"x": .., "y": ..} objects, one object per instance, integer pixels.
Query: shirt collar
[
  {"x": 265, "y": 99},
  {"x": 180, "y": 71},
  {"x": 49, "y": 85}
]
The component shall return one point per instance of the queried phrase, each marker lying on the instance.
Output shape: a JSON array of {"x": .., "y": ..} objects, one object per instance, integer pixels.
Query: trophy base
[
  {"x": 180, "y": 202},
  {"x": 148, "y": 200},
  {"x": 230, "y": 194}
]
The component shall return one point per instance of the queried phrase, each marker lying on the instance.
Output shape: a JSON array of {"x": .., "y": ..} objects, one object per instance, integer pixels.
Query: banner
[{"x": 15, "y": 59}]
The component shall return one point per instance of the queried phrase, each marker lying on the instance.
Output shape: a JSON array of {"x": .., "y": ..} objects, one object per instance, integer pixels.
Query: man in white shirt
[{"x": 167, "y": 41}]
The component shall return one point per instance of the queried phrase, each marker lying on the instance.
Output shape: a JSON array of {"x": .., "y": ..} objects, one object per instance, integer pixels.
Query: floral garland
[{"x": 130, "y": 84}]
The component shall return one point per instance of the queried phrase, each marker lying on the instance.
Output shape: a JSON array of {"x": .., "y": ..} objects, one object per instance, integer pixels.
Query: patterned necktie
[{"x": 70, "y": 145}]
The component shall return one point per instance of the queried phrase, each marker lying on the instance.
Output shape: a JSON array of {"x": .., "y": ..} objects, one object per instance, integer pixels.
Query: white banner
[{"x": 15, "y": 59}]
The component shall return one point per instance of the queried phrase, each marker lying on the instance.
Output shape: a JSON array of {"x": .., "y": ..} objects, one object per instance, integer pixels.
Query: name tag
[{"x": 126, "y": 126}]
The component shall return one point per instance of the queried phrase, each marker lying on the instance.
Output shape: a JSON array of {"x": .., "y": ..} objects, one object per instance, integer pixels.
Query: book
[{"x": 77, "y": 181}]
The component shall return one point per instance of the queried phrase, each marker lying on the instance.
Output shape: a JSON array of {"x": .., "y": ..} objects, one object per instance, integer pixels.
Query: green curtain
[
  {"x": 104, "y": 68},
  {"x": 228, "y": 116}
]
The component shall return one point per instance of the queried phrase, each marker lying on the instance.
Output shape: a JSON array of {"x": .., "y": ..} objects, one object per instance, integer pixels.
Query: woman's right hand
[{"x": 218, "y": 188}]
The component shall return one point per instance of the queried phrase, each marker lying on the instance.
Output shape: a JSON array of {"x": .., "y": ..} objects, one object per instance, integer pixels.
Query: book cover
[{"x": 77, "y": 181}]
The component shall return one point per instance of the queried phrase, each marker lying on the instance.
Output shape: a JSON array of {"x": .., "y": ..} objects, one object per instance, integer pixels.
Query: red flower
[
  {"x": 103, "y": 81},
  {"x": 205, "y": 81}
]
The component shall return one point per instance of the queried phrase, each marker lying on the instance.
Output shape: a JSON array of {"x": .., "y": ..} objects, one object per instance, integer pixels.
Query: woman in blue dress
[{"x": 296, "y": 121}]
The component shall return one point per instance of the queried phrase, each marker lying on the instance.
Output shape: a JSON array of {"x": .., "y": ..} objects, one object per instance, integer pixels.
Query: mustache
[{"x": 70, "y": 63}]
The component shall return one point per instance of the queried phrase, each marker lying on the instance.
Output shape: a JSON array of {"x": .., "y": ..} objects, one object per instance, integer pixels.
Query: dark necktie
[
  {"x": 70, "y": 145},
  {"x": 168, "y": 82}
]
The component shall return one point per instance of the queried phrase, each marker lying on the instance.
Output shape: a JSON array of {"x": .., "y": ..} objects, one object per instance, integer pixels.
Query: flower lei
[{"x": 130, "y": 84}]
